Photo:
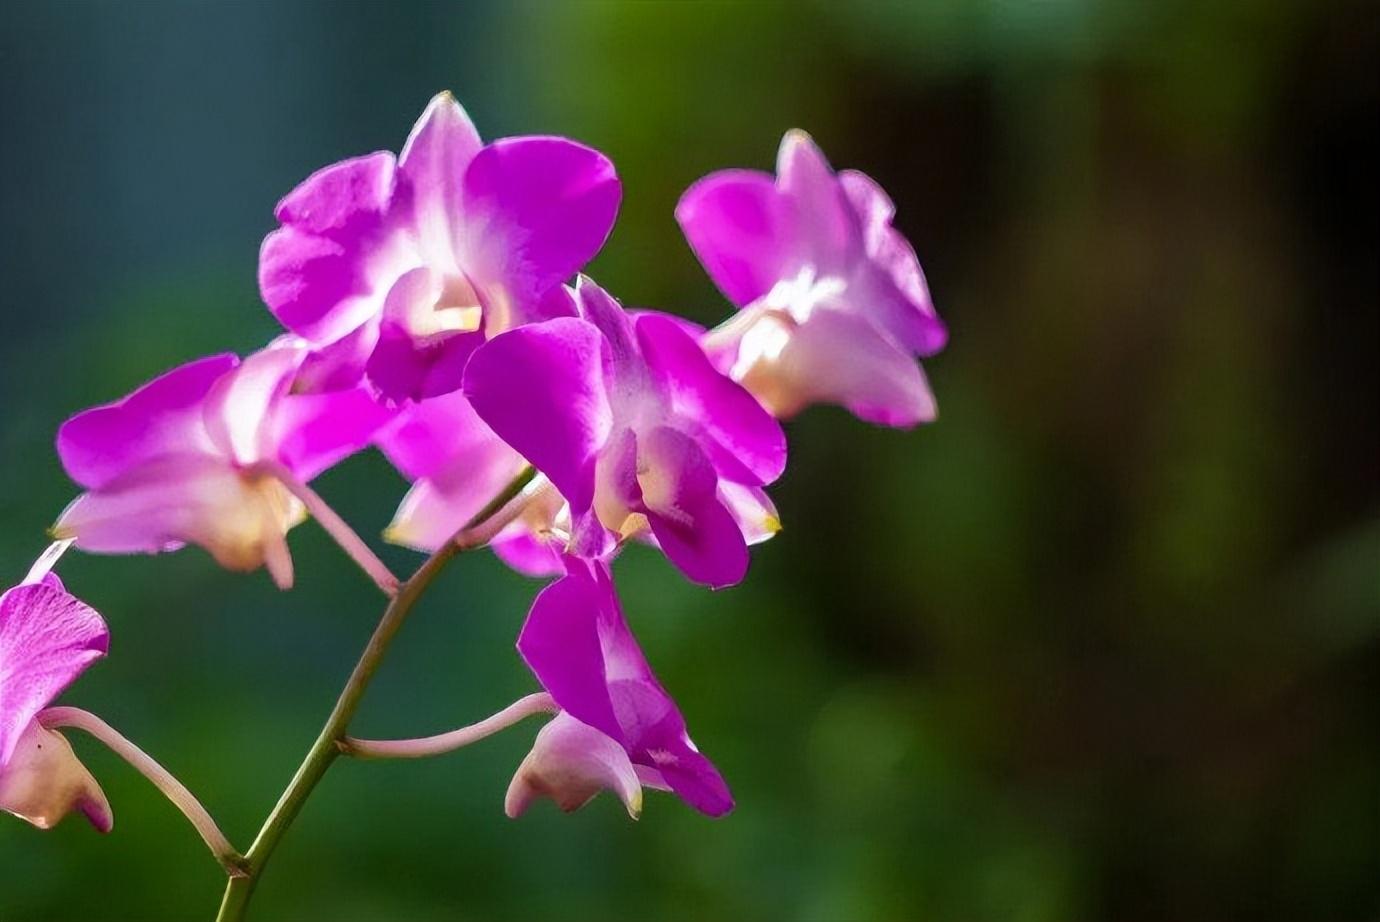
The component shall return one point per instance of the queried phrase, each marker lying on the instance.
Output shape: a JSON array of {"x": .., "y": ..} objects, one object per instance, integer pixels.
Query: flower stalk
[
  {"x": 488, "y": 521},
  {"x": 537, "y": 703},
  {"x": 176, "y": 792}
]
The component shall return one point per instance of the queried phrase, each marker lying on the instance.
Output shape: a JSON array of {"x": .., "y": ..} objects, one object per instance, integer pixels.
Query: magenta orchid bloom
[
  {"x": 47, "y": 638},
  {"x": 399, "y": 268},
  {"x": 834, "y": 306},
  {"x": 637, "y": 430},
  {"x": 618, "y": 728},
  {"x": 196, "y": 456},
  {"x": 457, "y": 464}
]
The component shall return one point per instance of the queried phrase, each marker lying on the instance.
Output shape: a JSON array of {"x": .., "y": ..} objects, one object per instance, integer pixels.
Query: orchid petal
[
  {"x": 742, "y": 230},
  {"x": 432, "y": 167},
  {"x": 578, "y": 644},
  {"x": 828, "y": 225},
  {"x": 692, "y": 526},
  {"x": 48, "y": 637},
  {"x": 541, "y": 388},
  {"x": 536, "y": 210},
  {"x": 43, "y": 781},
  {"x": 747, "y": 444},
  {"x": 570, "y": 763},
  {"x": 164, "y": 415},
  {"x": 238, "y": 407}
]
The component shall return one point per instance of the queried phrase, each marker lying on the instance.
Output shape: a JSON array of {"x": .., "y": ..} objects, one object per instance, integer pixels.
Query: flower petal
[
  {"x": 536, "y": 209},
  {"x": 747, "y": 444},
  {"x": 240, "y": 406},
  {"x": 541, "y": 388},
  {"x": 742, "y": 231},
  {"x": 177, "y": 499},
  {"x": 339, "y": 197},
  {"x": 691, "y": 524},
  {"x": 47, "y": 638},
  {"x": 44, "y": 781},
  {"x": 752, "y": 509},
  {"x": 162, "y": 416},
  {"x": 314, "y": 432},
  {"x": 570, "y": 762},
  {"x": 431, "y": 169},
  {"x": 828, "y": 225},
  {"x": 579, "y": 646}
]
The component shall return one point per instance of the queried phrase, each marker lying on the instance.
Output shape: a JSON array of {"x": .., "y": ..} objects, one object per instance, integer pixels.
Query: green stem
[{"x": 326, "y": 748}]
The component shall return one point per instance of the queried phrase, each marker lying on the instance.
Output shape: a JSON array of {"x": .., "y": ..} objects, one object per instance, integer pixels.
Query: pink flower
[
  {"x": 47, "y": 638},
  {"x": 629, "y": 420},
  {"x": 399, "y": 268},
  {"x": 193, "y": 457},
  {"x": 618, "y": 728},
  {"x": 834, "y": 304}
]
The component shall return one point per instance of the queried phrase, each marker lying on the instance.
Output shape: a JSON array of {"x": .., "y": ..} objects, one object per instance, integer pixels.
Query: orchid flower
[
  {"x": 637, "y": 430},
  {"x": 618, "y": 728},
  {"x": 214, "y": 453},
  {"x": 398, "y": 268},
  {"x": 834, "y": 306},
  {"x": 47, "y": 638},
  {"x": 457, "y": 464}
]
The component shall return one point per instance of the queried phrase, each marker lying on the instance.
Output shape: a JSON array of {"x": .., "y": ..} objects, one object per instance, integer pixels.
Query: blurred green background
[{"x": 1101, "y": 644}]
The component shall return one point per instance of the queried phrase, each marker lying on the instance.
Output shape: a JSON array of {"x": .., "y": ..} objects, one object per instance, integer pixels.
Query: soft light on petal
[
  {"x": 165, "y": 415},
  {"x": 742, "y": 231},
  {"x": 43, "y": 781},
  {"x": 570, "y": 763},
  {"x": 47, "y": 638}
]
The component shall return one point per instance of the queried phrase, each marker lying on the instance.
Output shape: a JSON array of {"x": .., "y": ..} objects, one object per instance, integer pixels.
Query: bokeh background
[{"x": 1101, "y": 644}]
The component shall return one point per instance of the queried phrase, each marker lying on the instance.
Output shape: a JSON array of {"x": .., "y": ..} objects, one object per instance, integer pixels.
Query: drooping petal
[
  {"x": 579, "y": 646},
  {"x": 570, "y": 763},
  {"x": 47, "y": 638},
  {"x": 902, "y": 305},
  {"x": 691, "y": 524},
  {"x": 746, "y": 443},
  {"x": 432, "y": 169},
  {"x": 162, "y": 416},
  {"x": 541, "y": 388},
  {"x": 177, "y": 499},
  {"x": 841, "y": 358},
  {"x": 43, "y": 781},
  {"x": 528, "y": 552},
  {"x": 742, "y": 230},
  {"x": 536, "y": 209}
]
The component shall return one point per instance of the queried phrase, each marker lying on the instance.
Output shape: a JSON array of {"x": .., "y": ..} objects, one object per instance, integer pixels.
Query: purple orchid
[
  {"x": 618, "y": 728},
  {"x": 399, "y": 268},
  {"x": 47, "y": 638},
  {"x": 457, "y": 464},
  {"x": 197, "y": 456},
  {"x": 834, "y": 306},
  {"x": 637, "y": 430}
]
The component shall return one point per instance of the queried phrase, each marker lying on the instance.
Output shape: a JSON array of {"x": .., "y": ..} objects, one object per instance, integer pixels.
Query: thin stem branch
[
  {"x": 538, "y": 703},
  {"x": 345, "y": 536},
  {"x": 326, "y": 749},
  {"x": 142, "y": 762}
]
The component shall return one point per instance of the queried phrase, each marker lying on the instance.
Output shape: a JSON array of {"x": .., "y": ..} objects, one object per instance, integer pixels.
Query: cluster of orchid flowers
[{"x": 428, "y": 312}]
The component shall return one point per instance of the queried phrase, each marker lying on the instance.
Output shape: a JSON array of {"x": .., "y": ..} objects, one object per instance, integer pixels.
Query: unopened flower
[
  {"x": 47, "y": 638},
  {"x": 189, "y": 458},
  {"x": 834, "y": 306},
  {"x": 398, "y": 268},
  {"x": 578, "y": 644},
  {"x": 640, "y": 433}
]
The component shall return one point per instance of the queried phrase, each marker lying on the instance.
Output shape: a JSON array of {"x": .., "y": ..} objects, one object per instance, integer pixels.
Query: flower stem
[
  {"x": 326, "y": 748},
  {"x": 345, "y": 536},
  {"x": 174, "y": 790},
  {"x": 539, "y": 703}
]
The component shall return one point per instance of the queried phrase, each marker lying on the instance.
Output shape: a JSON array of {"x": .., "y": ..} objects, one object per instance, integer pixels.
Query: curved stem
[
  {"x": 538, "y": 703},
  {"x": 174, "y": 790},
  {"x": 345, "y": 536},
  {"x": 325, "y": 750}
]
